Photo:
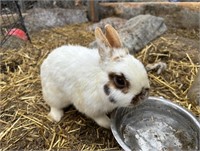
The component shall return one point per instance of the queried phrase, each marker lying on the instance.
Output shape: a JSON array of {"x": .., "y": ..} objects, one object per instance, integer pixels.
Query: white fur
[{"x": 76, "y": 75}]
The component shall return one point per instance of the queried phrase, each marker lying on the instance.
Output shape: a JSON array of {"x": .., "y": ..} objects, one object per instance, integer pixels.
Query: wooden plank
[{"x": 195, "y": 6}]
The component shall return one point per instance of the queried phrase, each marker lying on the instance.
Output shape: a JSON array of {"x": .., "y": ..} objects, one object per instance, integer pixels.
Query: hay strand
[{"x": 2, "y": 134}]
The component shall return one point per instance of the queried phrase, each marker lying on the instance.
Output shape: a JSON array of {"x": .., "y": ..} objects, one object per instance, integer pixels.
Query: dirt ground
[{"x": 23, "y": 115}]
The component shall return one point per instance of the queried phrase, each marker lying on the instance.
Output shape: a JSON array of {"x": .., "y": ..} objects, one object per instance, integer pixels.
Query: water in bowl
[{"x": 157, "y": 131}]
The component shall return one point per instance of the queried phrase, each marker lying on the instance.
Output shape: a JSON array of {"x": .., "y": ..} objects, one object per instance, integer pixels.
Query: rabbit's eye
[{"x": 119, "y": 81}]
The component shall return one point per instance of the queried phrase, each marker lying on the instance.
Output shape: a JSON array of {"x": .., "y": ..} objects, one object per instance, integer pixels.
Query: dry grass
[{"x": 23, "y": 116}]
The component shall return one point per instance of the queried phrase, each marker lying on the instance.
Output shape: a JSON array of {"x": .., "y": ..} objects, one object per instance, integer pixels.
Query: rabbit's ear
[
  {"x": 104, "y": 47},
  {"x": 113, "y": 37},
  {"x": 101, "y": 37}
]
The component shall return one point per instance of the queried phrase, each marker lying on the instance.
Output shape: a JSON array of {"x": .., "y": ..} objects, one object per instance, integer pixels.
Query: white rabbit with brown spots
[{"x": 95, "y": 81}]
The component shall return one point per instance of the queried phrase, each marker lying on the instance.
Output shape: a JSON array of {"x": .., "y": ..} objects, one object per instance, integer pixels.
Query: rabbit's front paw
[
  {"x": 103, "y": 121},
  {"x": 159, "y": 66},
  {"x": 56, "y": 114}
]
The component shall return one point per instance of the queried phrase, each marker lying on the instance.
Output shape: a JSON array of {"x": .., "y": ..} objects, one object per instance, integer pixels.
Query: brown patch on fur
[
  {"x": 125, "y": 90},
  {"x": 106, "y": 89},
  {"x": 112, "y": 100},
  {"x": 140, "y": 97},
  {"x": 136, "y": 99}
]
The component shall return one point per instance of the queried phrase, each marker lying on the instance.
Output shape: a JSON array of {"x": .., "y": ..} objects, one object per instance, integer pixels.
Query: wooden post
[{"x": 93, "y": 10}]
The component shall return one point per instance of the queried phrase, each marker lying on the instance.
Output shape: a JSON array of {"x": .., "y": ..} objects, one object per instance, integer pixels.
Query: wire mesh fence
[{"x": 11, "y": 20}]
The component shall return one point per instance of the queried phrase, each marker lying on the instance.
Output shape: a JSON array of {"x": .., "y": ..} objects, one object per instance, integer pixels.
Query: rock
[
  {"x": 40, "y": 18},
  {"x": 194, "y": 93},
  {"x": 179, "y": 15},
  {"x": 139, "y": 31},
  {"x": 116, "y": 22}
]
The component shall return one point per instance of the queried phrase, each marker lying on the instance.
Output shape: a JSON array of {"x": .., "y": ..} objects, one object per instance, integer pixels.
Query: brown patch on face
[
  {"x": 142, "y": 96},
  {"x": 106, "y": 89},
  {"x": 119, "y": 81},
  {"x": 112, "y": 100}
]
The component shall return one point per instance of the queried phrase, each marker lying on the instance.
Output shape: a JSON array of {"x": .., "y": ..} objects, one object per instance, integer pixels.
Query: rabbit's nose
[{"x": 142, "y": 96}]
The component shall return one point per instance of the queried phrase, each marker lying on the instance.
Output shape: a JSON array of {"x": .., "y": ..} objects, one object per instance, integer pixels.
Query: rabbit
[{"x": 95, "y": 81}]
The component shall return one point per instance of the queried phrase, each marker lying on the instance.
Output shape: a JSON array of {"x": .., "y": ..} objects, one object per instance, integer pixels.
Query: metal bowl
[{"x": 156, "y": 124}]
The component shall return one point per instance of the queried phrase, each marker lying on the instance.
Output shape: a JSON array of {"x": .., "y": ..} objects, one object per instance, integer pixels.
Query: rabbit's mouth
[{"x": 141, "y": 97}]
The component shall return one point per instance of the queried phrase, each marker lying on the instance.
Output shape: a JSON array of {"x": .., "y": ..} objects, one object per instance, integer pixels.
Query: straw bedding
[{"x": 23, "y": 115}]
